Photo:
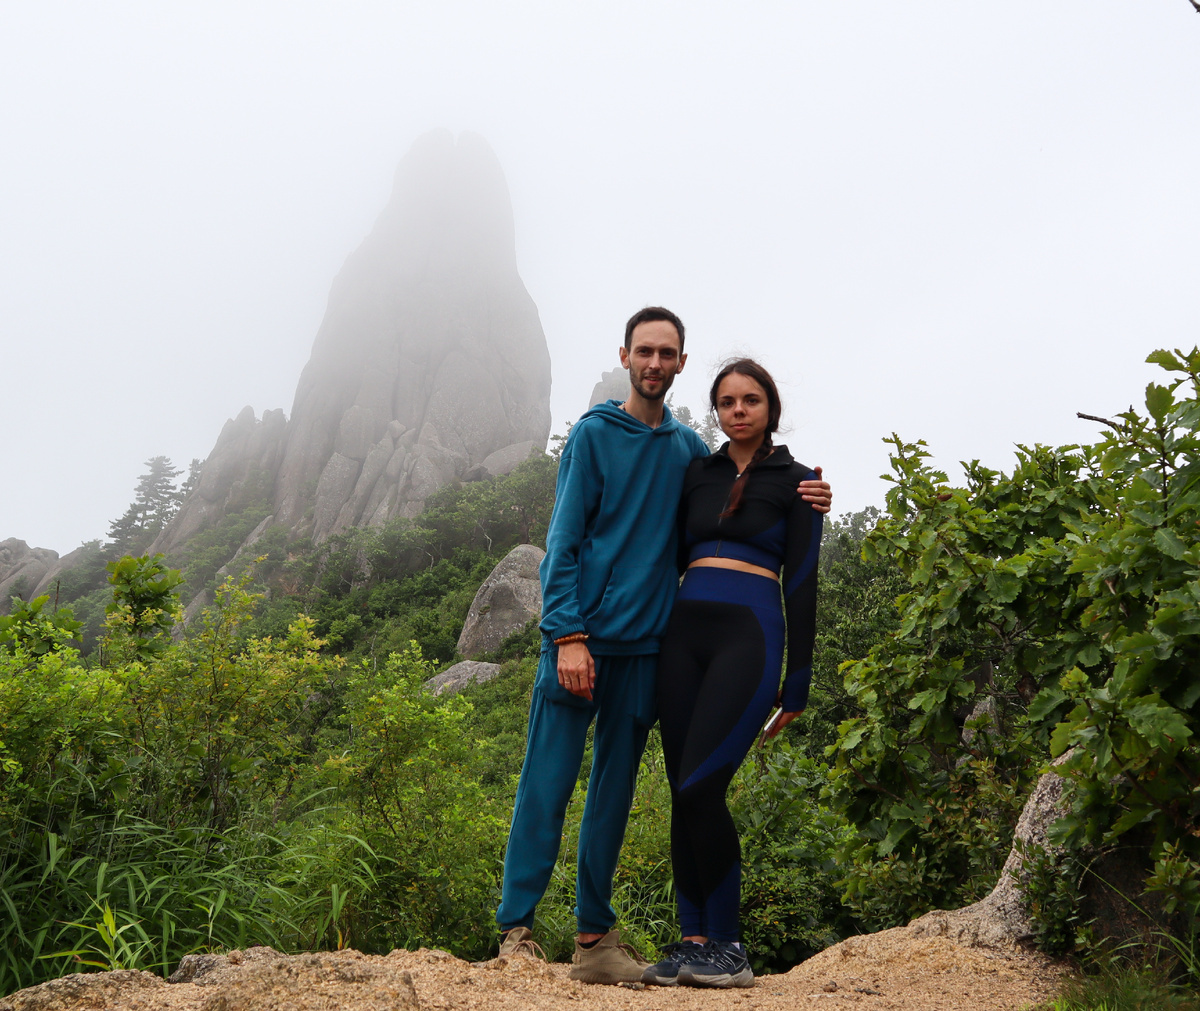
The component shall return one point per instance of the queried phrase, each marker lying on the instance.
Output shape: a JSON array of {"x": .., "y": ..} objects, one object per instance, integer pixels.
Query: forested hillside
[{"x": 276, "y": 773}]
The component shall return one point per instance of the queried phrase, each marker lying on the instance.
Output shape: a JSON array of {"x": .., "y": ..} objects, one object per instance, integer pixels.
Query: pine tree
[
  {"x": 156, "y": 500},
  {"x": 156, "y": 491},
  {"x": 193, "y": 479}
]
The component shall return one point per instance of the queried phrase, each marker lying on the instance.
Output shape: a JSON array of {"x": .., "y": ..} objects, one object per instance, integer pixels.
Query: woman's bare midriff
[{"x": 733, "y": 563}]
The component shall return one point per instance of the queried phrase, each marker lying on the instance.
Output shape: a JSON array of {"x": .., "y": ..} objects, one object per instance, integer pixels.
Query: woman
[{"x": 741, "y": 525}]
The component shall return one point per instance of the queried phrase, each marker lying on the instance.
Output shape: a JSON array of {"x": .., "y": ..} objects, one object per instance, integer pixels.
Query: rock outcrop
[
  {"x": 430, "y": 366},
  {"x": 455, "y": 679},
  {"x": 508, "y": 600},
  {"x": 257, "y": 979},
  {"x": 431, "y": 357},
  {"x": 239, "y": 471},
  {"x": 22, "y": 569},
  {"x": 613, "y": 385},
  {"x": 31, "y": 572},
  {"x": 891, "y": 970}
]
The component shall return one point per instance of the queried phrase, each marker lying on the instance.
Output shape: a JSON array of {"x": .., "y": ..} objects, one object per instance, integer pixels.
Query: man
[{"x": 608, "y": 583}]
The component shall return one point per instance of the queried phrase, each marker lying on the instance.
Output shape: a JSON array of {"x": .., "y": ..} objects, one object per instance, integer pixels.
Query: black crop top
[{"x": 773, "y": 528}]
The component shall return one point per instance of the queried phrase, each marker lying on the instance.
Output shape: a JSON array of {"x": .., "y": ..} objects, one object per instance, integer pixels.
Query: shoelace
[
  {"x": 677, "y": 951},
  {"x": 528, "y": 947},
  {"x": 723, "y": 955}
]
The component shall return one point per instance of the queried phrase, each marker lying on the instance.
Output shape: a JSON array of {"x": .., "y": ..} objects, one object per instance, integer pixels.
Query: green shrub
[
  {"x": 791, "y": 904},
  {"x": 436, "y": 832}
]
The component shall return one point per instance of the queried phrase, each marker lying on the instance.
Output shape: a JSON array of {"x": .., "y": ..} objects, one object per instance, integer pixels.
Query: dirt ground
[{"x": 884, "y": 971}]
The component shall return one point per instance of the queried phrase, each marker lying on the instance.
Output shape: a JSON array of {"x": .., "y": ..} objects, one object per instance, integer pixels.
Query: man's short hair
[{"x": 649, "y": 315}]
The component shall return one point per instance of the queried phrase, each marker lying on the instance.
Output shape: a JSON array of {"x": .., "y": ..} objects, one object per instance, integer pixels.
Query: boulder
[
  {"x": 613, "y": 385},
  {"x": 22, "y": 569},
  {"x": 455, "y": 679},
  {"x": 506, "y": 460},
  {"x": 508, "y": 600}
]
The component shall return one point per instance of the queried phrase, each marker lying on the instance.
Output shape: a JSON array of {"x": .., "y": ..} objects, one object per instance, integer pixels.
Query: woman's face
[{"x": 742, "y": 410}]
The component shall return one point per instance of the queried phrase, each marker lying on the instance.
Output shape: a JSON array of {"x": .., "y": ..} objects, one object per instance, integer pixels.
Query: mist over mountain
[{"x": 430, "y": 367}]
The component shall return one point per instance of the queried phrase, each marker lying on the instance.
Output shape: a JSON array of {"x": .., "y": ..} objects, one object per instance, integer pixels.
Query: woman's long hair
[{"x": 749, "y": 368}]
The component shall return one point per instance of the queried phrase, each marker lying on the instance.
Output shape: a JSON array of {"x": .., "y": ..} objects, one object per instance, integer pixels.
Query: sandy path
[{"x": 884, "y": 971}]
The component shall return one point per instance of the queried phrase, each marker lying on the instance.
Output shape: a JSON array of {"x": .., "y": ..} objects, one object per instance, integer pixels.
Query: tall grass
[
  {"x": 1125, "y": 988},
  {"x": 121, "y": 892}
]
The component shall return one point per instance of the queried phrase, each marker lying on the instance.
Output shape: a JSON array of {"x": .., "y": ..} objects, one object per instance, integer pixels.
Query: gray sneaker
[
  {"x": 665, "y": 972},
  {"x": 607, "y": 961},
  {"x": 519, "y": 941},
  {"x": 720, "y": 964}
]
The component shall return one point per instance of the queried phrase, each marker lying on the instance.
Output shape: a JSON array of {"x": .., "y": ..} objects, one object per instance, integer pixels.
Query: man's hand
[
  {"x": 576, "y": 669},
  {"x": 817, "y": 492}
]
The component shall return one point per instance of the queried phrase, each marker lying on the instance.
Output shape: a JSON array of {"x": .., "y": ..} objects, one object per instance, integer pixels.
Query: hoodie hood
[{"x": 610, "y": 411}]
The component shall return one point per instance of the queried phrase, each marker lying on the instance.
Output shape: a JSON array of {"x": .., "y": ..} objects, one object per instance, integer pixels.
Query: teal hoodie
[{"x": 610, "y": 561}]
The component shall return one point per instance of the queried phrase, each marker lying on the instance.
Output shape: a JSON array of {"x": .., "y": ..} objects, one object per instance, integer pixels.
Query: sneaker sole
[
  {"x": 745, "y": 978},
  {"x": 651, "y": 980}
]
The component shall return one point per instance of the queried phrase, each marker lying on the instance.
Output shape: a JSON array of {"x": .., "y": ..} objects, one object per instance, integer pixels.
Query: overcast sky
[{"x": 962, "y": 222}]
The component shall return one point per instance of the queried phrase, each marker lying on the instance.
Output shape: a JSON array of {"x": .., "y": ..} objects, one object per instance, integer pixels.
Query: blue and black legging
[{"x": 718, "y": 677}]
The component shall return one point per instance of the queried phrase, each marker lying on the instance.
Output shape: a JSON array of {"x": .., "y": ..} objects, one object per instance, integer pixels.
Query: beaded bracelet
[{"x": 573, "y": 637}]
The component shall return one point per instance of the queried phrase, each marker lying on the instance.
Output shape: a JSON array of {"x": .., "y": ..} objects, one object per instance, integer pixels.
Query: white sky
[{"x": 959, "y": 221}]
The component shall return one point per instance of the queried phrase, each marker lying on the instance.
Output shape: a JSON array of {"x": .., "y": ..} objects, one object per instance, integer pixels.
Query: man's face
[{"x": 653, "y": 358}]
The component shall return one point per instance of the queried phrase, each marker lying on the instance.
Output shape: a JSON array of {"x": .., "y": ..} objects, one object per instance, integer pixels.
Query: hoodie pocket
[{"x": 636, "y": 603}]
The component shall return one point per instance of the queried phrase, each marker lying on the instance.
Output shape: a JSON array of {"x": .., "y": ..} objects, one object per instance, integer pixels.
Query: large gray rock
[
  {"x": 613, "y": 385},
  {"x": 22, "y": 569},
  {"x": 455, "y": 679},
  {"x": 508, "y": 600},
  {"x": 62, "y": 565},
  {"x": 431, "y": 357},
  {"x": 506, "y": 460}
]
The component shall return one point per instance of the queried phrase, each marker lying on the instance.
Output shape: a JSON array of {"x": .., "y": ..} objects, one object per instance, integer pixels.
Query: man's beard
[{"x": 664, "y": 386}]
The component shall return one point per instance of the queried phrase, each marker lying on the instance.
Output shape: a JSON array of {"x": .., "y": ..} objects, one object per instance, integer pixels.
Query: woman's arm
[{"x": 800, "y": 601}]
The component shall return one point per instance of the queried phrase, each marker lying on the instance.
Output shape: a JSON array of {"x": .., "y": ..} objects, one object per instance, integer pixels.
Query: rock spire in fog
[
  {"x": 430, "y": 365},
  {"x": 431, "y": 356}
]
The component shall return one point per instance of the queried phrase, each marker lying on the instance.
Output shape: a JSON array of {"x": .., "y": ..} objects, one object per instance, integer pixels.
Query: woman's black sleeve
[
  {"x": 681, "y": 517},
  {"x": 800, "y": 598}
]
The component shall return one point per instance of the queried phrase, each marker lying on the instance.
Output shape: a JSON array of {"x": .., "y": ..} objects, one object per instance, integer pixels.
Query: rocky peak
[
  {"x": 430, "y": 366},
  {"x": 431, "y": 357}
]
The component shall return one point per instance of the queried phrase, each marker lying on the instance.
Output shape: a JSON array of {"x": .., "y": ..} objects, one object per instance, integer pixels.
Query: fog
[{"x": 959, "y": 222}]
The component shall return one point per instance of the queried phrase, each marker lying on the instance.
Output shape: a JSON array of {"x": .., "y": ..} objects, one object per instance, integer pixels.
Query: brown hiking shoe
[
  {"x": 607, "y": 961},
  {"x": 519, "y": 941}
]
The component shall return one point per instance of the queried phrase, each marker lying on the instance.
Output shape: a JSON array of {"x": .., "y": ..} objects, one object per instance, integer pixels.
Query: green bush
[
  {"x": 436, "y": 832},
  {"x": 791, "y": 906},
  {"x": 1061, "y": 602}
]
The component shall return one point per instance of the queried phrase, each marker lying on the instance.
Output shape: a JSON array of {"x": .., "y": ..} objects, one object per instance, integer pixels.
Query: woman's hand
[
  {"x": 776, "y": 725},
  {"x": 817, "y": 492},
  {"x": 576, "y": 669}
]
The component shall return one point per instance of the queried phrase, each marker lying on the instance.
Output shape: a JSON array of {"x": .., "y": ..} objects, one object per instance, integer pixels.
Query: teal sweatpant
[{"x": 623, "y": 708}]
